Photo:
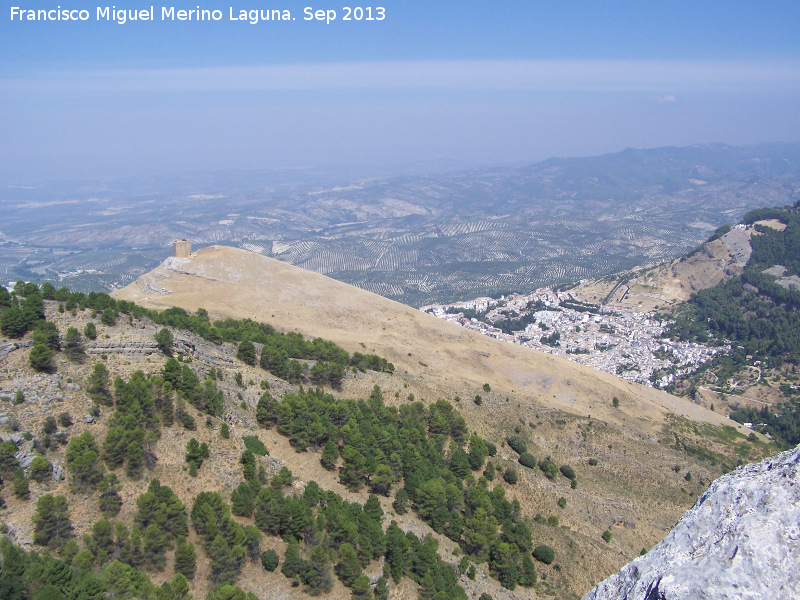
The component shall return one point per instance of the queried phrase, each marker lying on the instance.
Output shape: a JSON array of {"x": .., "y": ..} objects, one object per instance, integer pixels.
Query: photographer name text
[{"x": 121, "y": 16}]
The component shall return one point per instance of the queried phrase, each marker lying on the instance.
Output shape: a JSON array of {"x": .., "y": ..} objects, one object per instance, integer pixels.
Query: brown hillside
[
  {"x": 563, "y": 409},
  {"x": 435, "y": 358},
  {"x": 638, "y": 467},
  {"x": 664, "y": 285}
]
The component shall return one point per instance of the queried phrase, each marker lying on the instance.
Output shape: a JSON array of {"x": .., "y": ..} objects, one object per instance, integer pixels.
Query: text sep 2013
[{"x": 170, "y": 13}]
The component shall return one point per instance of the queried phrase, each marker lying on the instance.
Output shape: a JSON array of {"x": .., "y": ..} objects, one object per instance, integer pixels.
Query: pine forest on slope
[
  {"x": 460, "y": 498},
  {"x": 758, "y": 314}
]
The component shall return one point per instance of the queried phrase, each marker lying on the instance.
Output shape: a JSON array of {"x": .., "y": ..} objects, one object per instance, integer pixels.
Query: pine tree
[
  {"x": 372, "y": 507},
  {"x": 242, "y": 501},
  {"x": 292, "y": 564},
  {"x": 90, "y": 331},
  {"x": 248, "y": 461},
  {"x": 12, "y": 322},
  {"x": 330, "y": 455},
  {"x": 102, "y": 540},
  {"x": 527, "y": 577},
  {"x": 99, "y": 385},
  {"x": 396, "y": 546},
  {"x": 459, "y": 463},
  {"x": 348, "y": 567},
  {"x": 224, "y": 561},
  {"x": 131, "y": 551},
  {"x": 83, "y": 461},
  {"x": 21, "y": 489},
  {"x": 196, "y": 453},
  {"x": 381, "y": 590},
  {"x": 41, "y": 358},
  {"x": 164, "y": 340},
  {"x": 115, "y": 446},
  {"x": 381, "y": 482},
  {"x": 361, "y": 589},
  {"x": 185, "y": 560},
  {"x": 8, "y": 460},
  {"x": 247, "y": 352},
  {"x": 41, "y": 469},
  {"x": 252, "y": 542},
  {"x": 73, "y": 346},
  {"x": 134, "y": 460},
  {"x": 400, "y": 504},
  {"x": 109, "y": 501},
  {"x": 179, "y": 585},
  {"x": 427, "y": 587},
  {"x": 318, "y": 576},
  {"x": 154, "y": 545},
  {"x": 266, "y": 410},
  {"x": 168, "y": 410},
  {"x": 52, "y": 526}
]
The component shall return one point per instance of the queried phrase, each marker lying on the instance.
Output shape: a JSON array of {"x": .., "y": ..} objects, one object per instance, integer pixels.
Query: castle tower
[{"x": 181, "y": 248}]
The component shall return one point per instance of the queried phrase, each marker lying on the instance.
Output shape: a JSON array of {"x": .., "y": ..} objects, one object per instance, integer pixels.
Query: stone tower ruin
[{"x": 181, "y": 248}]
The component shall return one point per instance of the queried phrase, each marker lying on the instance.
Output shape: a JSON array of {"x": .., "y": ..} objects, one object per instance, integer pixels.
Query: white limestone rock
[{"x": 740, "y": 540}]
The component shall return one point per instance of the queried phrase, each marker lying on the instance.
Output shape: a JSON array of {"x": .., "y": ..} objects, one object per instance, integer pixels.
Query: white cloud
[
  {"x": 645, "y": 76},
  {"x": 666, "y": 99}
]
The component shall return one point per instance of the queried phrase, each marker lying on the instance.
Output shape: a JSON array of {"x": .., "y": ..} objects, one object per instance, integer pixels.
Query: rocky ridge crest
[{"x": 741, "y": 539}]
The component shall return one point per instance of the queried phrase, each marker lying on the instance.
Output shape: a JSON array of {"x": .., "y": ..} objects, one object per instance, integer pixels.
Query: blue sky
[{"x": 505, "y": 82}]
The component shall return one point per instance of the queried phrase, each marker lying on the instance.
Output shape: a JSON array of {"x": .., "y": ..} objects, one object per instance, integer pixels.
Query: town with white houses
[{"x": 609, "y": 338}]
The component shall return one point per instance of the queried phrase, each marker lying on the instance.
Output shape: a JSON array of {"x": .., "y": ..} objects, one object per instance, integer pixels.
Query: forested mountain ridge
[
  {"x": 757, "y": 313},
  {"x": 225, "y": 464}
]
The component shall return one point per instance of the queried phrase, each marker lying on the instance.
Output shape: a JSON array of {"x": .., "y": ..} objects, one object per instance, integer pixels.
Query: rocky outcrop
[
  {"x": 7, "y": 348},
  {"x": 139, "y": 347},
  {"x": 741, "y": 539}
]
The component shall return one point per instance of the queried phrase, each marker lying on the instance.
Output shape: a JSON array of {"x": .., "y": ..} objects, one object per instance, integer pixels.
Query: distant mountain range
[{"x": 414, "y": 238}]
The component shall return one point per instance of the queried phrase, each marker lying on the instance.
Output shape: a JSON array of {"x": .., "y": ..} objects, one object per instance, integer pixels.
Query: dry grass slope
[
  {"x": 564, "y": 410},
  {"x": 433, "y": 357}
]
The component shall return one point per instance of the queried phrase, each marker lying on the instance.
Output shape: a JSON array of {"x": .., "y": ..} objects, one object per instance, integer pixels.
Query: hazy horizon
[{"x": 509, "y": 84}]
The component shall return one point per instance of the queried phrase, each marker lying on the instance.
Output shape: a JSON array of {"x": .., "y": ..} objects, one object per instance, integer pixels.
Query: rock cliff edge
[{"x": 741, "y": 539}]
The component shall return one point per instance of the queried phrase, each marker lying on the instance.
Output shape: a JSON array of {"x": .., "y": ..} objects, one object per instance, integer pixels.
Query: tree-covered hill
[
  {"x": 758, "y": 314},
  {"x": 165, "y": 455}
]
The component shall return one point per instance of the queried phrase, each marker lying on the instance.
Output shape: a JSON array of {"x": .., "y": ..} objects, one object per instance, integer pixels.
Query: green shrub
[
  {"x": 567, "y": 471},
  {"x": 517, "y": 444},
  {"x": 606, "y": 536},
  {"x": 526, "y": 459},
  {"x": 255, "y": 445},
  {"x": 549, "y": 468},
  {"x": 592, "y": 462},
  {"x": 65, "y": 419},
  {"x": 41, "y": 468},
  {"x": 544, "y": 554},
  {"x": 510, "y": 476},
  {"x": 269, "y": 560},
  {"x": 50, "y": 426}
]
